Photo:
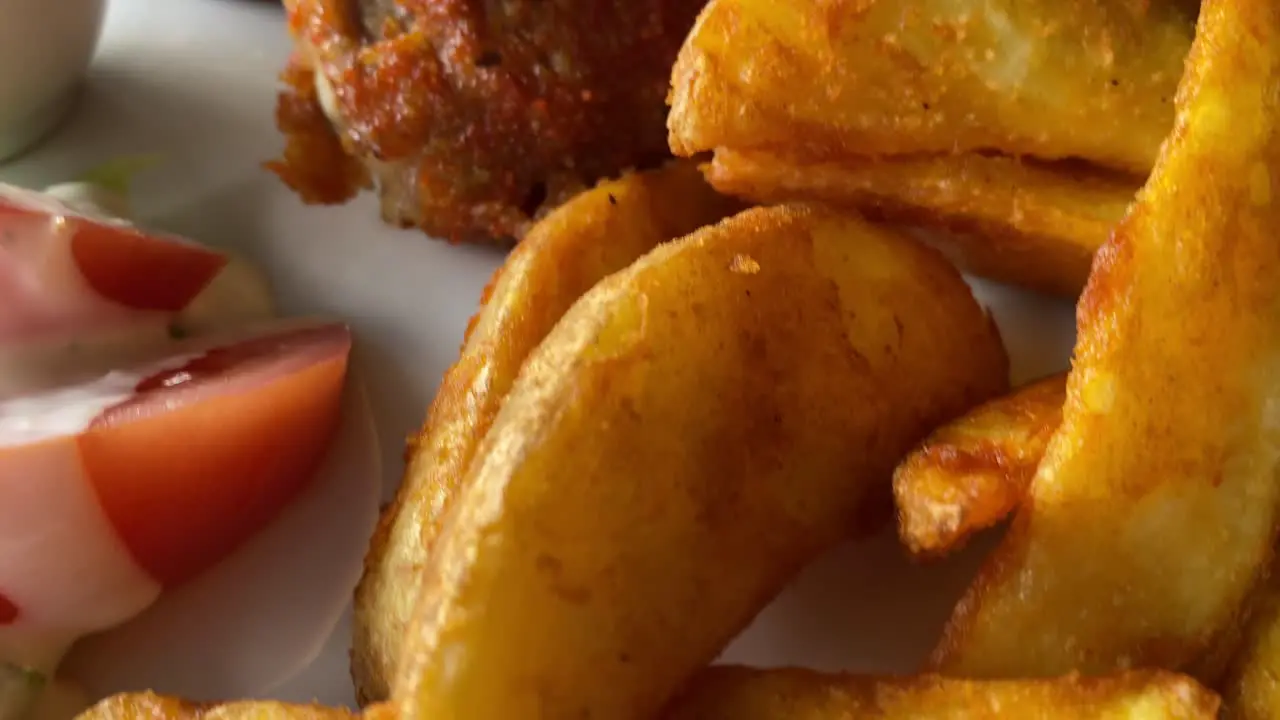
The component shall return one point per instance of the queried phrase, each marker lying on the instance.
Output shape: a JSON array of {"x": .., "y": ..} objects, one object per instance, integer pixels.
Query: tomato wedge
[
  {"x": 58, "y": 265},
  {"x": 205, "y": 455},
  {"x": 189, "y": 457},
  {"x": 139, "y": 271}
]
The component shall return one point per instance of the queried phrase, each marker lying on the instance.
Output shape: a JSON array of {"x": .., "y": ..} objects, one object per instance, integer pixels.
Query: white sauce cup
[{"x": 45, "y": 49}]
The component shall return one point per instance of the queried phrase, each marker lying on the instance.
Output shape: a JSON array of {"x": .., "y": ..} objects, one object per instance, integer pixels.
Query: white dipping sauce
[
  {"x": 62, "y": 564},
  {"x": 37, "y": 251}
]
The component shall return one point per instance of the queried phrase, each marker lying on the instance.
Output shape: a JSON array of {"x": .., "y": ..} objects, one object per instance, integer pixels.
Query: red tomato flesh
[
  {"x": 204, "y": 456},
  {"x": 119, "y": 262},
  {"x": 8, "y": 611}
]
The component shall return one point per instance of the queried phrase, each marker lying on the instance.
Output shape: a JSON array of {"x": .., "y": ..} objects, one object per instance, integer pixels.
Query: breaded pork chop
[{"x": 472, "y": 117}]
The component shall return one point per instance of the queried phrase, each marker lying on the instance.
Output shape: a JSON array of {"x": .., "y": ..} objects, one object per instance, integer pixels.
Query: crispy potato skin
[
  {"x": 822, "y": 81},
  {"x": 474, "y": 116},
  {"x": 740, "y": 693},
  {"x": 931, "y": 111},
  {"x": 1032, "y": 224},
  {"x": 596, "y": 234},
  {"x": 973, "y": 472},
  {"x": 693, "y": 431},
  {"x": 1252, "y": 688},
  {"x": 149, "y": 706},
  {"x": 1154, "y": 512}
]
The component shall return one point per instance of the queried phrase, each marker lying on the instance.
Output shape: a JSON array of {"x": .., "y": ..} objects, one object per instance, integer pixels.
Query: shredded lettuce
[
  {"x": 117, "y": 175},
  {"x": 103, "y": 191}
]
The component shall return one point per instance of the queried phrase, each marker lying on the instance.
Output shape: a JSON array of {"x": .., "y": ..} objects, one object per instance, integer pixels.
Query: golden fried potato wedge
[
  {"x": 150, "y": 706},
  {"x": 973, "y": 472},
  {"x": 919, "y": 111},
  {"x": 1032, "y": 224},
  {"x": 1252, "y": 688},
  {"x": 740, "y": 693},
  {"x": 595, "y": 234},
  {"x": 1154, "y": 512},
  {"x": 823, "y": 81},
  {"x": 693, "y": 431}
]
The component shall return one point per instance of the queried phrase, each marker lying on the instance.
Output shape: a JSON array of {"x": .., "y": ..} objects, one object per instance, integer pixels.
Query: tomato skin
[
  {"x": 8, "y": 611},
  {"x": 186, "y": 481},
  {"x": 119, "y": 262},
  {"x": 142, "y": 272}
]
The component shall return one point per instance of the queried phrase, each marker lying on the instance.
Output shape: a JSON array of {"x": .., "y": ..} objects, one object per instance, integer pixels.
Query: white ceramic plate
[{"x": 194, "y": 80}]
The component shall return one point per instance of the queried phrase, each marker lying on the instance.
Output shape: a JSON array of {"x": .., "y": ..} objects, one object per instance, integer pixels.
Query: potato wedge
[
  {"x": 972, "y": 473},
  {"x": 918, "y": 111},
  {"x": 150, "y": 706},
  {"x": 1252, "y": 688},
  {"x": 1032, "y": 224},
  {"x": 740, "y": 693},
  {"x": 593, "y": 235},
  {"x": 1154, "y": 513},
  {"x": 975, "y": 471},
  {"x": 824, "y": 81},
  {"x": 694, "y": 431}
]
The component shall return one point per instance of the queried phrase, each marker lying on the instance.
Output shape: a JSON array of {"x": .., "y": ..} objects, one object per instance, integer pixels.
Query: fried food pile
[
  {"x": 669, "y": 403},
  {"x": 1023, "y": 128},
  {"x": 739, "y": 693},
  {"x": 470, "y": 118},
  {"x": 594, "y": 235}
]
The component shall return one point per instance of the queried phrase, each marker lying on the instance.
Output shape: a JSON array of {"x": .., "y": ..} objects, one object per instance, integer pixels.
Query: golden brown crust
[
  {"x": 820, "y": 81},
  {"x": 1154, "y": 513},
  {"x": 476, "y": 117},
  {"x": 1251, "y": 690},
  {"x": 597, "y": 233},
  {"x": 1032, "y": 224},
  {"x": 150, "y": 706},
  {"x": 740, "y": 693},
  {"x": 314, "y": 163},
  {"x": 972, "y": 473},
  {"x": 692, "y": 432},
  {"x": 943, "y": 113}
]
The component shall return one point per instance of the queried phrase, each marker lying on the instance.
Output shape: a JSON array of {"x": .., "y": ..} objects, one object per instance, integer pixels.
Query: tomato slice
[
  {"x": 142, "y": 272},
  {"x": 8, "y": 611},
  {"x": 119, "y": 262},
  {"x": 207, "y": 453}
]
